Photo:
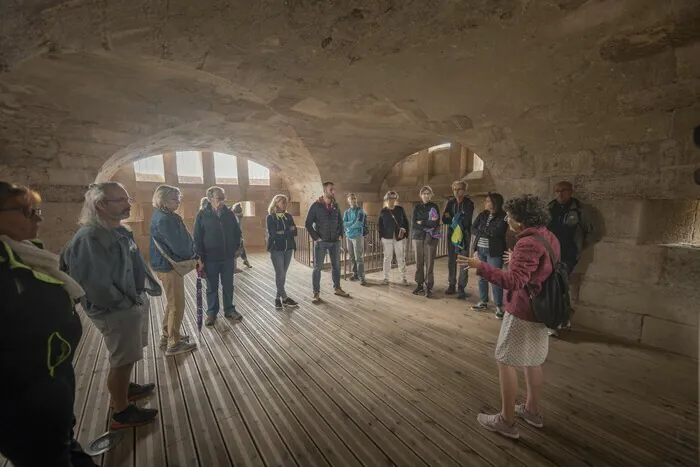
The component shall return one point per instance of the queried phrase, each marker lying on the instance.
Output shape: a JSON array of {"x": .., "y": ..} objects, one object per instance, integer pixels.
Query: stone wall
[{"x": 254, "y": 229}]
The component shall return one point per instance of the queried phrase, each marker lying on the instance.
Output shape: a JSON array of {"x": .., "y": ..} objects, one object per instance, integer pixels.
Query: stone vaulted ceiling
[{"x": 343, "y": 89}]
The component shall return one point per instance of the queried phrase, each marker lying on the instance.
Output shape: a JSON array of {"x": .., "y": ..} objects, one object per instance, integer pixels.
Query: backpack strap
[{"x": 546, "y": 244}]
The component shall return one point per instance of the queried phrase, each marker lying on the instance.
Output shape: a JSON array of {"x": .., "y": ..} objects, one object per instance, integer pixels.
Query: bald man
[{"x": 570, "y": 224}]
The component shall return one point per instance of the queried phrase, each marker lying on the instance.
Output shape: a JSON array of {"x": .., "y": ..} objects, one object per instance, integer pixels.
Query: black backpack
[{"x": 552, "y": 306}]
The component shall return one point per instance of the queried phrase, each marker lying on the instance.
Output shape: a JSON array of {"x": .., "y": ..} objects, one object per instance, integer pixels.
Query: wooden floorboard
[{"x": 383, "y": 378}]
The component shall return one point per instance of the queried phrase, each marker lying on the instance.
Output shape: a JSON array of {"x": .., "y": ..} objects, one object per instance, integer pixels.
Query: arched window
[
  {"x": 257, "y": 174},
  {"x": 189, "y": 167},
  {"x": 225, "y": 169},
  {"x": 150, "y": 169}
]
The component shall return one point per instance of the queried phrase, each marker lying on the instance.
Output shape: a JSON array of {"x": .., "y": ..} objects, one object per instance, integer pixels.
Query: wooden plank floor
[{"x": 384, "y": 378}]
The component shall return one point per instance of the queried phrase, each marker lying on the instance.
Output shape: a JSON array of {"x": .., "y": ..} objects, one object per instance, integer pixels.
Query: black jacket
[
  {"x": 421, "y": 213},
  {"x": 216, "y": 238},
  {"x": 323, "y": 224},
  {"x": 451, "y": 209},
  {"x": 572, "y": 225},
  {"x": 41, "y": 328},
  {"x": 388, "y": 227},
  {"x": 495, "y": 232},
  {"x": 286, "y": 240}
]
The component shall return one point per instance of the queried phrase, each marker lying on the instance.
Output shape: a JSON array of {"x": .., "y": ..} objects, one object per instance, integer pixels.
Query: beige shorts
[{"x": 125, "y": 332}]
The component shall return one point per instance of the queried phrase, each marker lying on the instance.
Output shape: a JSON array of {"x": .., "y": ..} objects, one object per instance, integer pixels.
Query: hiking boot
[
  {"x": 480, "y": 306},
  {"x": 278, "y": 303},
  {"x": 385, "y": 281},
  {"x": 566, "y": 326},
  {"x": 132, "y": 416},
  {"x": 532, "y": 419},
  {"x": 289, "y": 303},
  {"x": 461, "y": 294},
  {"x": 553, "y": 333},
  {"x": 341, "y": 293},
  {"x": 210, "y": 320},
  {"x": 450, "y": 290},
  {"x": 317, "y": 298},
  {"x": 182, "y": 347},
  {"x": 247, "y": 264},
  {"x": 234, "y": 315},
  {"x": 364, "y": 283},
  {"x": 164, "y": 340},
  {"x": 496, "y": 424},
  {"x": 418, "y": 290},
  {"x": 428, "y": 292},
  {"x": 354, "y": 278},
  {"x": 500, "y": 312}
]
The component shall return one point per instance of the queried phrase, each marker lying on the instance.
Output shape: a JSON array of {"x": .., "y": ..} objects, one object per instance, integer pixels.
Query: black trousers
[{"x": 36, "y": 426}]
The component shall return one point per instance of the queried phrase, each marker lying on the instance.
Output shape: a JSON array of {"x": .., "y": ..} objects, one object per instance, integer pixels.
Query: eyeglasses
[
  {"x": 28, "y": 213},
  {"x": 119, "y": 200}
]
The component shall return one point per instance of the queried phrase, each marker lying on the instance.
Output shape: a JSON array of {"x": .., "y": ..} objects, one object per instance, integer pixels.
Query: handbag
[
  {"x": 181, "y": 267},
  {"x": 399, "y": 235}
]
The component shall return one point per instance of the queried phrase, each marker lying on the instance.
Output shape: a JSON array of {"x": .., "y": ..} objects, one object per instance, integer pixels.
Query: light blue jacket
[
  {"x": 100, "y": 260},
  {"x": 168, "y": 229},
  {"x": 355, "y": 222}
]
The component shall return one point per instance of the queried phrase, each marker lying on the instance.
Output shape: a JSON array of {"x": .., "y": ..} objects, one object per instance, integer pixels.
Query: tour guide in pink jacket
[{"x": 522, "y": 342}]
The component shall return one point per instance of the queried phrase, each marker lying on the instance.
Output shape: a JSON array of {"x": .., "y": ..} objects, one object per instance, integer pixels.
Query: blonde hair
[
  {"x": 160, "y": 196},
  {"x": 389, "y": 193},
  {"x": 272, "y": 208},
  {"x": 426, "y": 188}
]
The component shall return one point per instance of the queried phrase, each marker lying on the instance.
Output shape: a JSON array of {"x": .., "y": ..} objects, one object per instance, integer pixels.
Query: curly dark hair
[{"x": 529, "y": 210}]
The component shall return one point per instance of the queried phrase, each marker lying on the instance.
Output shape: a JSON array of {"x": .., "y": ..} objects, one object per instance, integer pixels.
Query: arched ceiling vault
[{"x": 322, "y": 90}]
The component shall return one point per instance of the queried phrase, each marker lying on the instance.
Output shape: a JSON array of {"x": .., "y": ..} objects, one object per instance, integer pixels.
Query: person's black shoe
[
  {"x": 418, "y": 290},
  {"x": 288, "y": 302},
  {"x": 450, "y": 290},
  {"x": 428, "y": 293},
  {"x": 132, "y": 416},
  {"x": 139, "y": 391},
  {"x": 461, "y": 294},
  {"x": 278, "y": 304}
]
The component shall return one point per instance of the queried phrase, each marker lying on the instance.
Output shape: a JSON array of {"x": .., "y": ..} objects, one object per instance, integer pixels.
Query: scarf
[
  {"x": 45, "y": 262},
  {"x": 281, "y": 215}
]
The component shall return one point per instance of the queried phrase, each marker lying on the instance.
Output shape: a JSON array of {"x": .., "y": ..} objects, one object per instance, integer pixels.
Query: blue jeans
[
  {"x": 280, "y": 261},
  {"x": 320, "y": 249},
  {"x": 224, "y": 270},
  {"x": 496, "y": 262}
]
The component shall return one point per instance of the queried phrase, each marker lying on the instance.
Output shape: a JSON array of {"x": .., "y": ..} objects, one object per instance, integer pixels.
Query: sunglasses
[{"x": 28, "y": 213}]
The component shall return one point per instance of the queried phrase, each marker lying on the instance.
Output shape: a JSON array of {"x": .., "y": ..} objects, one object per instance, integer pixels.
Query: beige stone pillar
[
  {"x": 170, "y": 168},
  {"x": 208, "y": 169}
]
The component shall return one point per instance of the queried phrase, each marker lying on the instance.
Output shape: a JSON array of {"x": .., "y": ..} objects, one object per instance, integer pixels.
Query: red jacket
[{"x": 529, "y": 264}]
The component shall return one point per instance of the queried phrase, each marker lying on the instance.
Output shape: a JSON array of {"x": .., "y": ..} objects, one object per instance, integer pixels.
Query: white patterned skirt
[{"x": 522, "y": 343}]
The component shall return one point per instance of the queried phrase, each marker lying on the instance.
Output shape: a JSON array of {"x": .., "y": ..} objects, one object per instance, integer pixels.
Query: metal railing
[{"x": 373, "y": 254}]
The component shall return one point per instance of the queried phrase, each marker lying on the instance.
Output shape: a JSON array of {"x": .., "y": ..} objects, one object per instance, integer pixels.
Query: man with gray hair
[{"x": 104, "y": 259}]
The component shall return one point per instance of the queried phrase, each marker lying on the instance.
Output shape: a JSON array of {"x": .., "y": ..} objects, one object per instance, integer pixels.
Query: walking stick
[{"x": 200, "y": 310}]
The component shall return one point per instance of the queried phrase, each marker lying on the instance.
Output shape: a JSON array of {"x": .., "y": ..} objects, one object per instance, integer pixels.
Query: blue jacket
[
  {"x": 284, "y": 241},
  {"x": 168, "y": 229},
  {"x": 216, "y": 237},
  {"x": 355, "y": 222},
  {"x": 101, "y": 260}
]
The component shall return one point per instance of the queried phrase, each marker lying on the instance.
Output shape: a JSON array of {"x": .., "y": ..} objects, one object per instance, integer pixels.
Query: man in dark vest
[
  {"x": 463, "y": 206},
  {"x": 324, "y": 222},
  {"x": 571, "y": 224}
]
